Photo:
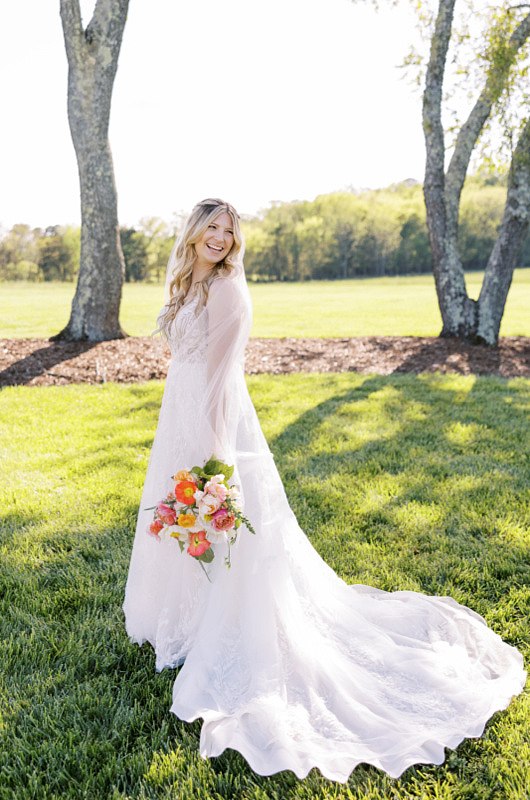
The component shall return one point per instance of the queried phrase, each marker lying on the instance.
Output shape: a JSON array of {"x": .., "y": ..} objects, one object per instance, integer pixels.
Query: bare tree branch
[
  {"x": 513, "y": 230},
  {"x": 108, "y": 18},
  {"x": 432, "y": 123},
  {"x": 470, "y": 131},
  {"x": 72, "y": 26}
]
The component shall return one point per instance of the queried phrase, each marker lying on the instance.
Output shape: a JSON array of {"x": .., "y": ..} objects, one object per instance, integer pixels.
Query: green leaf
[
  {"x": 216, "y": 467},
  {"x": 207, "y": 557},
  {"x": 241, "y": 519}
]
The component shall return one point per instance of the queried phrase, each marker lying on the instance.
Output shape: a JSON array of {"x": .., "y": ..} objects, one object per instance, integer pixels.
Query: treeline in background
[{"x": 339, "y": 235}]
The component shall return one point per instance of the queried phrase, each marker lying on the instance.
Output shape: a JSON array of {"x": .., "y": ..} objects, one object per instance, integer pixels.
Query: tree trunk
[
  {"x": 92, "y": 63},
  {"x": 503, "y": 258},
  {"x": 459, "y": 312},
  {"x": 462, "y": 317}
]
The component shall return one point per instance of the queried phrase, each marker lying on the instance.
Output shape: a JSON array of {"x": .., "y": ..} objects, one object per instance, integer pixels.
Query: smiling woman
[
  {"x": 282, "y": 659},
  {"x": 213, "y": 246},
  {"x": 208, "y": 248}
]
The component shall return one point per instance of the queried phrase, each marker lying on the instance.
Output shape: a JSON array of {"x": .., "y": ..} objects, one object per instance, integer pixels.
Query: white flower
[
  {"x": 215, "y": 537},
  {"x": 235, "y": 496},
  {"x": 176, "y": 532},
  {"x": 208, "y": 504},
  {"x": 217, "y": 478}
]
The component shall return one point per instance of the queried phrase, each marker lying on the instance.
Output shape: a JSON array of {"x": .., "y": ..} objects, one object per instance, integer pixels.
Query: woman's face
[{"x": 216, "y": 241}]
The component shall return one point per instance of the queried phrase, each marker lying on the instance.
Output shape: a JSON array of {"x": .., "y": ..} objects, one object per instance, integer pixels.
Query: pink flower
[
  {"x": 222, "y": 520},
  {"x": 216, "y": 488},
  {"x": 166, "y": 514},
  {"x": 199, "y": 544}
]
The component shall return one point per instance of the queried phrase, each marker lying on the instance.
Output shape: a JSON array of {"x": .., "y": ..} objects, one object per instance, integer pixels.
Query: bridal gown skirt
[{"x": 285, "y": 662}]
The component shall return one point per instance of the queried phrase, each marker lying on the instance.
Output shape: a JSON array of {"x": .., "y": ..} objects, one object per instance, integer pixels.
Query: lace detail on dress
[
  {"x": 187, "y": 339},
  {"x": 231, "y": 674}
]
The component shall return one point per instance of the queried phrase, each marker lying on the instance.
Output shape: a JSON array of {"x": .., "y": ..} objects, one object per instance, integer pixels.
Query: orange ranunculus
[
  {"x": 184, "y": 491},
  {"x": 155, "y": 527},
  {"x": 186, "y": 520},
  {"x": 199, "y": 544},
  {"x": 182, "y": 475}
]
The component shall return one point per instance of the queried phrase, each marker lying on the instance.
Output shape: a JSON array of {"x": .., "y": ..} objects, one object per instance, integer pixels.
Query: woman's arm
[{"x": 228, "y": 330}]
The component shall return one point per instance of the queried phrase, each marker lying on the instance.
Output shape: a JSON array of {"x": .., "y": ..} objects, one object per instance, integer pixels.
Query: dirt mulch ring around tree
[{"x": 35, "y": 362}]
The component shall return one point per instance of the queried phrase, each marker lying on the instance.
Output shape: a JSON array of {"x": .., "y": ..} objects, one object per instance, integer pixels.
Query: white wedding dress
[{"x": 285, "y": 662}]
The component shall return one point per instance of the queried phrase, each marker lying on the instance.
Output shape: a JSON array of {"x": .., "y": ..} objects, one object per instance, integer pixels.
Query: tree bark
[
  {"x": 92, "y": 63},
  {"x": 461, "y": 316},
  {"x": 503, "y": 258}
]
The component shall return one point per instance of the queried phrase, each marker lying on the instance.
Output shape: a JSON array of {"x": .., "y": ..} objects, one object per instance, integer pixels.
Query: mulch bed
[{"x": 40, "y": 362}]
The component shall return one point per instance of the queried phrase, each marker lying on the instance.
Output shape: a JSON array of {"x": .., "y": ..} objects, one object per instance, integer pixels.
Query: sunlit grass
[
  {"x": 401, "y": 482},
  {"x": 403, "y": 306}
]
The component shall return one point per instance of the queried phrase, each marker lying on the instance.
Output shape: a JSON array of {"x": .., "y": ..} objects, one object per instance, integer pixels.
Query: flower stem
[{"x": 204, "y": 570}]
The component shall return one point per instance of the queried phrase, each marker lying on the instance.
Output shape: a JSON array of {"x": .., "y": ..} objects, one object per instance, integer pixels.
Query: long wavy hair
[{"x": 184, "y": 256}]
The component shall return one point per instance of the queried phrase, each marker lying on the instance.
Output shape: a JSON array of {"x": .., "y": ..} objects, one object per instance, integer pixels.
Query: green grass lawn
[
  {"x": 437, "y": 500},
  {"x": 404, "y": 306}
]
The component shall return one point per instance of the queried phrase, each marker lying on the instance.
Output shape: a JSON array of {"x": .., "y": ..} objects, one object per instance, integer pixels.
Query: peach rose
[
  {"x": 222, "y": 520},
  {"x": 182, "y": 475},
  {"x": 208, "y": 504}
]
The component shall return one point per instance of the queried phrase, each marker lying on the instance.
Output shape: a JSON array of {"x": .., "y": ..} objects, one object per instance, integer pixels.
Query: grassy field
[
  {"x": 438, "y": 501},
  {"x": 404, "y": 306}
]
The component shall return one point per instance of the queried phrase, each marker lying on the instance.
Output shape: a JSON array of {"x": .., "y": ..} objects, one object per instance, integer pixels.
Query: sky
[{"x": 250, "y": 101}]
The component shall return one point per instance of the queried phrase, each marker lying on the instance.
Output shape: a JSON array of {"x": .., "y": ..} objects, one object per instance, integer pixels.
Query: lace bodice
[{"x": 187, "y": 333}]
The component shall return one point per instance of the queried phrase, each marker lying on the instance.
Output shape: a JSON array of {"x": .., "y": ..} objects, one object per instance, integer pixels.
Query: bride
[{"x": 282, "y": 660}]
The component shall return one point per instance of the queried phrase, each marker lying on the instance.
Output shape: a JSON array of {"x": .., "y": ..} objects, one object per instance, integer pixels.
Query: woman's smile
[{"x": 216, "y": 241}]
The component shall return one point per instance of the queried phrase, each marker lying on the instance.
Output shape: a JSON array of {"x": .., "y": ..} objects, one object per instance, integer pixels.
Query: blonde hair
[{"x": 185, "y": 255}]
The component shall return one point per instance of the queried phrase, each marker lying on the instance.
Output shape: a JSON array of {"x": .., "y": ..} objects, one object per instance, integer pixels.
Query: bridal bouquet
[{"x": 203, "y": 509}]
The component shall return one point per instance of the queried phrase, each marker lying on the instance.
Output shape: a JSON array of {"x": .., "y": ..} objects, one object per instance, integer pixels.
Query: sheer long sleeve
[{"x": 229, "y": 321}]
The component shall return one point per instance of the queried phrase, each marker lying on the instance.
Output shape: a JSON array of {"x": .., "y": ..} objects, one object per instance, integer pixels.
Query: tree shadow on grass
[{"x": 440, "y": 519}]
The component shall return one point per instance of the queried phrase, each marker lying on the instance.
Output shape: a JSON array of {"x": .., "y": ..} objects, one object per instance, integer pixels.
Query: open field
[
  {"x": 438, "y": 501},
  {"x": 402, "y": 306}
]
